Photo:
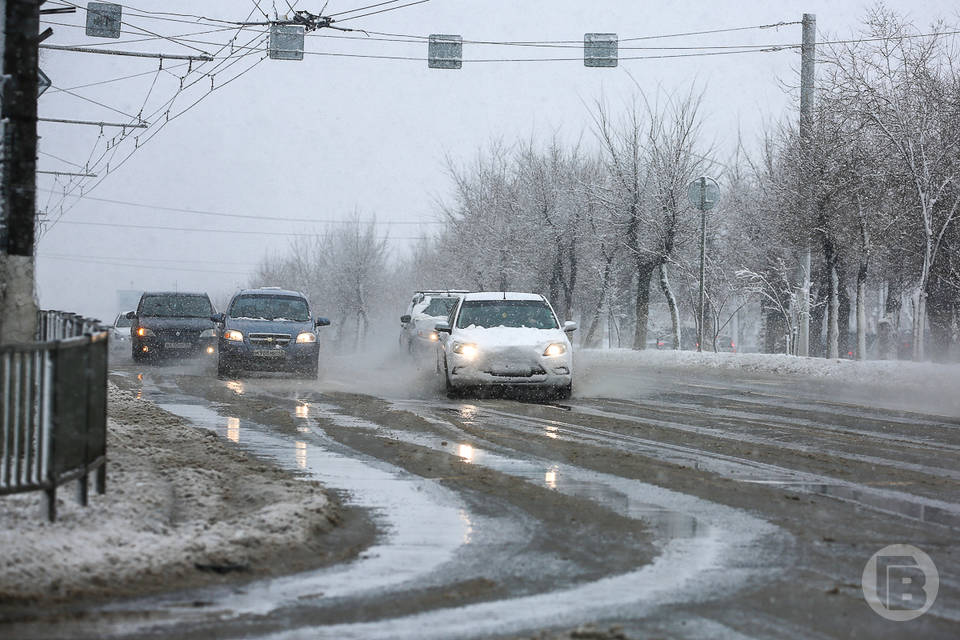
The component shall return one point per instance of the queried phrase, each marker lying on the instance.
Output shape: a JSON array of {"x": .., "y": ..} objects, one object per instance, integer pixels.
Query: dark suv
[
  {"x": 172, "y": 323},
  {"x": 268, "y": 329}
]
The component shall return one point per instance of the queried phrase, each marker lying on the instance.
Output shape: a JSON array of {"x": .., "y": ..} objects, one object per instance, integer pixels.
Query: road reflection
[
  {"x": 300, "y": 454},
  {"x": 233, "y": 429},
  {"x": 550, "y": 477}
]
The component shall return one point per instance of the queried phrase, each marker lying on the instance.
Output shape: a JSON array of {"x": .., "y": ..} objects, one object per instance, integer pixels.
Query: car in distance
[
  {"x": 505, "y": 339},
  {"x": 120, "y": 332},
  {"x": 268, "y": 329},
  {"x": 171, "y": 324},
  {"x": 426, "y": 308}
]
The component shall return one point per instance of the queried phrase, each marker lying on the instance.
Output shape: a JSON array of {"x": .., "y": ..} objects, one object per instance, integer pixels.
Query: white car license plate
[
  {"x": 176, "y": 345},
  {"x": 268, "y": 353}
]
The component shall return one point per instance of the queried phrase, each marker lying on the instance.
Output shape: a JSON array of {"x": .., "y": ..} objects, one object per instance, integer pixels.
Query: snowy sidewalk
[{"x": 182, "y": 508}]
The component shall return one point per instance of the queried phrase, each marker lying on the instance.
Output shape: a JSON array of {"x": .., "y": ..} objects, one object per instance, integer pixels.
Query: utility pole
[
  {"x": 703, "y": 259},
  {"x": 18, "y": 305},
  {"x": 808, "y": 47}
]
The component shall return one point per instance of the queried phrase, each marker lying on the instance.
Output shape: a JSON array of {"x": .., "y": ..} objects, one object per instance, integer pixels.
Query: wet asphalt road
[{"x": 675, "y": 505}]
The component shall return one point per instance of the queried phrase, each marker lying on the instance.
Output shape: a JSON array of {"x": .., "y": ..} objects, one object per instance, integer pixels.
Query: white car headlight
[
  {"x": 432, "y": 336},
  {"x": 208, "y": 333},
  {"x": 306, "y": 336},
  {"x": 555, "y": 349},
  {"x": 466, "y": 349},
  {"x": 233, "y": 334}
]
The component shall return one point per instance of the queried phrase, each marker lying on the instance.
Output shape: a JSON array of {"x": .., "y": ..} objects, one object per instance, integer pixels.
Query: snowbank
[
  {"x": 865, "y": 371},
  {"x": 181, "y": 509}
]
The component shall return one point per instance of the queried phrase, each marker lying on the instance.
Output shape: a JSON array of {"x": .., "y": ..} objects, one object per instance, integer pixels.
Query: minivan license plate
[{"x": 176, "y": 345}]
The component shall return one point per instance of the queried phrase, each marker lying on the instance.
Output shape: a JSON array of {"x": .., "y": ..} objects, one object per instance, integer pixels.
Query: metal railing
[{"x": 53, "y": 409}]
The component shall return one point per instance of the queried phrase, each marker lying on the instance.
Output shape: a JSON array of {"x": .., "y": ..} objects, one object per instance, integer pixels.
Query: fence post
[{"x": 50, "y": 493}]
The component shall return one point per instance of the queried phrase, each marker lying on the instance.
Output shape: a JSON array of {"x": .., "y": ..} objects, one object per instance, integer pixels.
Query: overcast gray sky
[{"x": 323, "y": 137}]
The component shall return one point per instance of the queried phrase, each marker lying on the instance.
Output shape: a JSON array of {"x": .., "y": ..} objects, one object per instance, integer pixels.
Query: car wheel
[{"x": 451, "y": 390}]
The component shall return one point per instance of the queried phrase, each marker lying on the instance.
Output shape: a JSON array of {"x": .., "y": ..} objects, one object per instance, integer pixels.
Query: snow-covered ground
[
  {"x": 180, "y": 504},
  {"x": 867, "y": 371},
  {"x": 916, "y": 386}
]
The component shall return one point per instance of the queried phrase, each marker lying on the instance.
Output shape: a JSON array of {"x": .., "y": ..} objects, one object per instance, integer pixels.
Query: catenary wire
[
  {"x": 369, "y": 6},
  {"x": 373, "y": 13},
  {"x": 236, "y": 215},
  {"x": 287, "y": 234}
]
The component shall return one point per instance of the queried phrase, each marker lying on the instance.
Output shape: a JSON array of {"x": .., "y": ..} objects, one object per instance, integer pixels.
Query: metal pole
[
  {"x": 18, "y": 315},
  {"x": 807, "y": 57},
  {"x": 703, "y": 252}
]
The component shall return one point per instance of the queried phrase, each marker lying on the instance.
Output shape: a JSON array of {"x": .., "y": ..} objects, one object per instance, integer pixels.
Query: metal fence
[{"x": 53, "y": 409}]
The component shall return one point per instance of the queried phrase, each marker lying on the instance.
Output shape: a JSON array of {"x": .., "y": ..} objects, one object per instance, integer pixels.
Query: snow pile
[
  {"x": 181, "y": 508},
  {"x": 868, "y": 371}
]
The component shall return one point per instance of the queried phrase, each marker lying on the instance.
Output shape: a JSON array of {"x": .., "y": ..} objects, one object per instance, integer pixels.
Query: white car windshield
[
  {"x": 440, "y": 307},
  {"x": 533, "y": 314}
]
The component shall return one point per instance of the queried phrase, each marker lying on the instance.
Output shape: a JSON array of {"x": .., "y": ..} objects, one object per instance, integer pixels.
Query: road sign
[
  {"x": 703, "y": 193},
  {"x": 600, "y": 49},
  {"x": 286, "y": 42},
  {"x": 103, "y": 19},
  {"x": 43, "y": 82},
  {"x": 445, "y": 51}
]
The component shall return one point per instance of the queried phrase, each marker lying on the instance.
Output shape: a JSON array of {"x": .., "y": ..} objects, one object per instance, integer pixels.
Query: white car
[
  {"x": 426, "y": 309},
  {"x": 120, "y": 332},
  {"x": 505, "y": 339}
]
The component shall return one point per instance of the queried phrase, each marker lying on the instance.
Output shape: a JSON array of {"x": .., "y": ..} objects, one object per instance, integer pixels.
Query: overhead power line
[
  {"x": 111, "y": 80},
  {"x": 141, "y": 205},
  {"x": 139, "y": 265},
  {"x": 369, "y": 6},
  {"x": 287, "y": 234},
  {"x": 373, "y": 13},
  {"x": 137, "y": 259}
]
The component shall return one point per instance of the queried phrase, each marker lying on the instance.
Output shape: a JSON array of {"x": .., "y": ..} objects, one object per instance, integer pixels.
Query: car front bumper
[
  {"x": 290, "y": 357},
  {"x": 159, "y": 347},
  {"x": 510, "y": 368}
]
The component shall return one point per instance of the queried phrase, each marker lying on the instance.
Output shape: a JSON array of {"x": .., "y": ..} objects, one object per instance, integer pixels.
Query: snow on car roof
[
  {"x": 502, "y": 295},
  {"x": 273, "y": 291}
]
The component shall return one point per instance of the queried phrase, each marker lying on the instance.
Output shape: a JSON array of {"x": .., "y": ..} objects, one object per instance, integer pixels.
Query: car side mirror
[
  {"x": 130, "y": 315},
  {"x": 219, "y": 318},
  {"x": 569, "y": 326},
  {"x": 442, "y": 327},
  {"x": 321, "y": 322},
  {"x": 404, "y": 319}
]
